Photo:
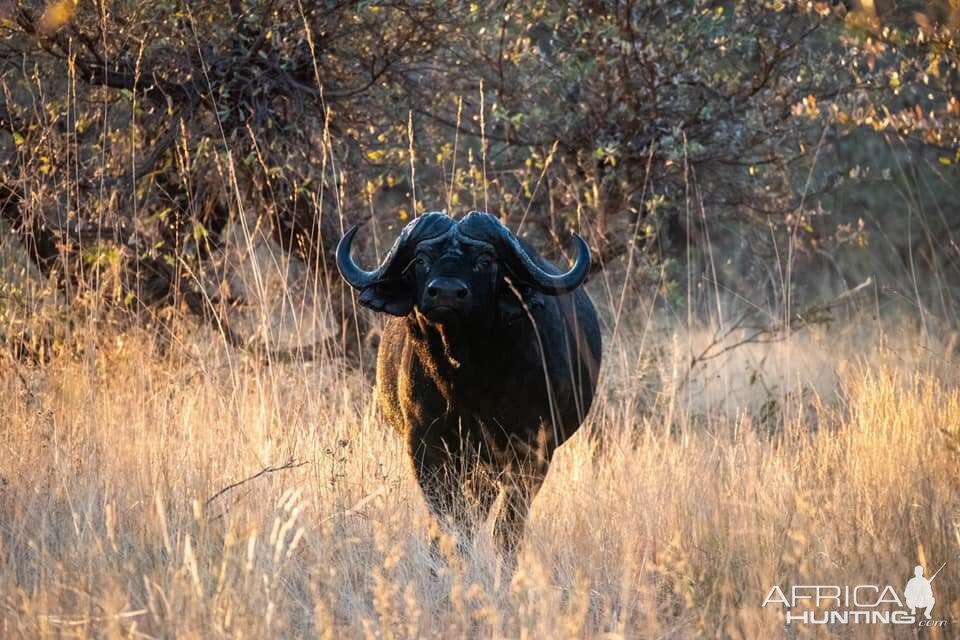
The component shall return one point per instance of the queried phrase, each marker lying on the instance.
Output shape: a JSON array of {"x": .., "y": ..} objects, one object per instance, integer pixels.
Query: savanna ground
[
  {"x": 827, "y": 458},
  {"x": 188, "y": 442}
]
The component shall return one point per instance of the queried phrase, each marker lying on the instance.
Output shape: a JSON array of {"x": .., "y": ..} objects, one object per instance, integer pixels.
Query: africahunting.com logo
[{"x": 859, "y": 604}]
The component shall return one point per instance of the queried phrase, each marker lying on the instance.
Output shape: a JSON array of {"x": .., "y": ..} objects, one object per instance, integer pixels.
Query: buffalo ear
[
  {"x": 512, "y": 308},
  {"x": 393, "y": 297}
]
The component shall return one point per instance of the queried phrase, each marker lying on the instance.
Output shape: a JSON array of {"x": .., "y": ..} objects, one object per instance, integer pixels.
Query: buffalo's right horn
[
  {"x": 429, "y": 225},
  {"x": 351, "y": 272}
]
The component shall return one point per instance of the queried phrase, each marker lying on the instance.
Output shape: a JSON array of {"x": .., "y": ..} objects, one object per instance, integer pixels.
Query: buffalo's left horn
[{"x": 555, "y": 284}]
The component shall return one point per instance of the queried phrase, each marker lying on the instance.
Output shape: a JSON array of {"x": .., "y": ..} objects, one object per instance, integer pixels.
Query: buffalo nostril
[
  {"x": 461, "y": 293},
  {"x": 432, "y": 292}
]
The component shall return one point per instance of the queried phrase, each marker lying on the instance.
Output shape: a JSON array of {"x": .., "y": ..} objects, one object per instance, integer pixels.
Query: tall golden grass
[
  {"x": 826, "y": 459},
  {"x": 197, "y": 492}
]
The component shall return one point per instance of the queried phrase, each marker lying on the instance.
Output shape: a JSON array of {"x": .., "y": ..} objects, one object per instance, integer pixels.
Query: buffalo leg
[
  {"x": 519, "y": 491},
  {"x": 441, "y": 476}
]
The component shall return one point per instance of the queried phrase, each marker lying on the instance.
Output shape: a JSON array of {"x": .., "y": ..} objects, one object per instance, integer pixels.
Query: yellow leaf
[
  {"x": 945, "y": 161},
  {"x": 56, "y": 15}
]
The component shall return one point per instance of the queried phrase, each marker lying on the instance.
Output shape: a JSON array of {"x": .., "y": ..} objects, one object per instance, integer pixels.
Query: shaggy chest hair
[{"x": 475, "y": 371}]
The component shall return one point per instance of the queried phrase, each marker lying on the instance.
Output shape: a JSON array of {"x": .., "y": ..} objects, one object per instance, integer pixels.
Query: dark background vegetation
[{"x": 764, "y": 155}]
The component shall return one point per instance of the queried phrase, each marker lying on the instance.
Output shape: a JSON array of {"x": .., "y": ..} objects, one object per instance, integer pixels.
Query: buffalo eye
[
  {"x": 483, "y": 263},
  {"x": 419, "y": 263}
]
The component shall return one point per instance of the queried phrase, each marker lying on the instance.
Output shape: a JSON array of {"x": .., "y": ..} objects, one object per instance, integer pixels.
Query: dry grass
[
  {"x": 827, "y": 459},
  {"x": 675, "y": 523}
]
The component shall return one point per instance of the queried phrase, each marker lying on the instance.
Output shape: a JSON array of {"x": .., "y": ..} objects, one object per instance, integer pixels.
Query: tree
[{"x": 149, "y": 144}]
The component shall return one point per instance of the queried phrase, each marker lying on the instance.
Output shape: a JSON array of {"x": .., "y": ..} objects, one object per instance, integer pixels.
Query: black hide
[{"x": 486, "y": 368}]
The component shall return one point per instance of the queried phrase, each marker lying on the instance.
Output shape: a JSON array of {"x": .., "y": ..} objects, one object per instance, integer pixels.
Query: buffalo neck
[{"x": 463, "y": 349}]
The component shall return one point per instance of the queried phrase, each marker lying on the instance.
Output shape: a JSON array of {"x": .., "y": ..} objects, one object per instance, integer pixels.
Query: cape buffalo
[{"x": 489, "y": 365}]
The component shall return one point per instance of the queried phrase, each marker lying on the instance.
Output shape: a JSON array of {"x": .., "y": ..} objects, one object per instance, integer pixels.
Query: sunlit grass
[{"x": 675, "y": 521}]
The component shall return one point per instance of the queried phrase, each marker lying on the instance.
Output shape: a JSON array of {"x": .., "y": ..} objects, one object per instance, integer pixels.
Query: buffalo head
[{"x": 456, "y": 270}]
